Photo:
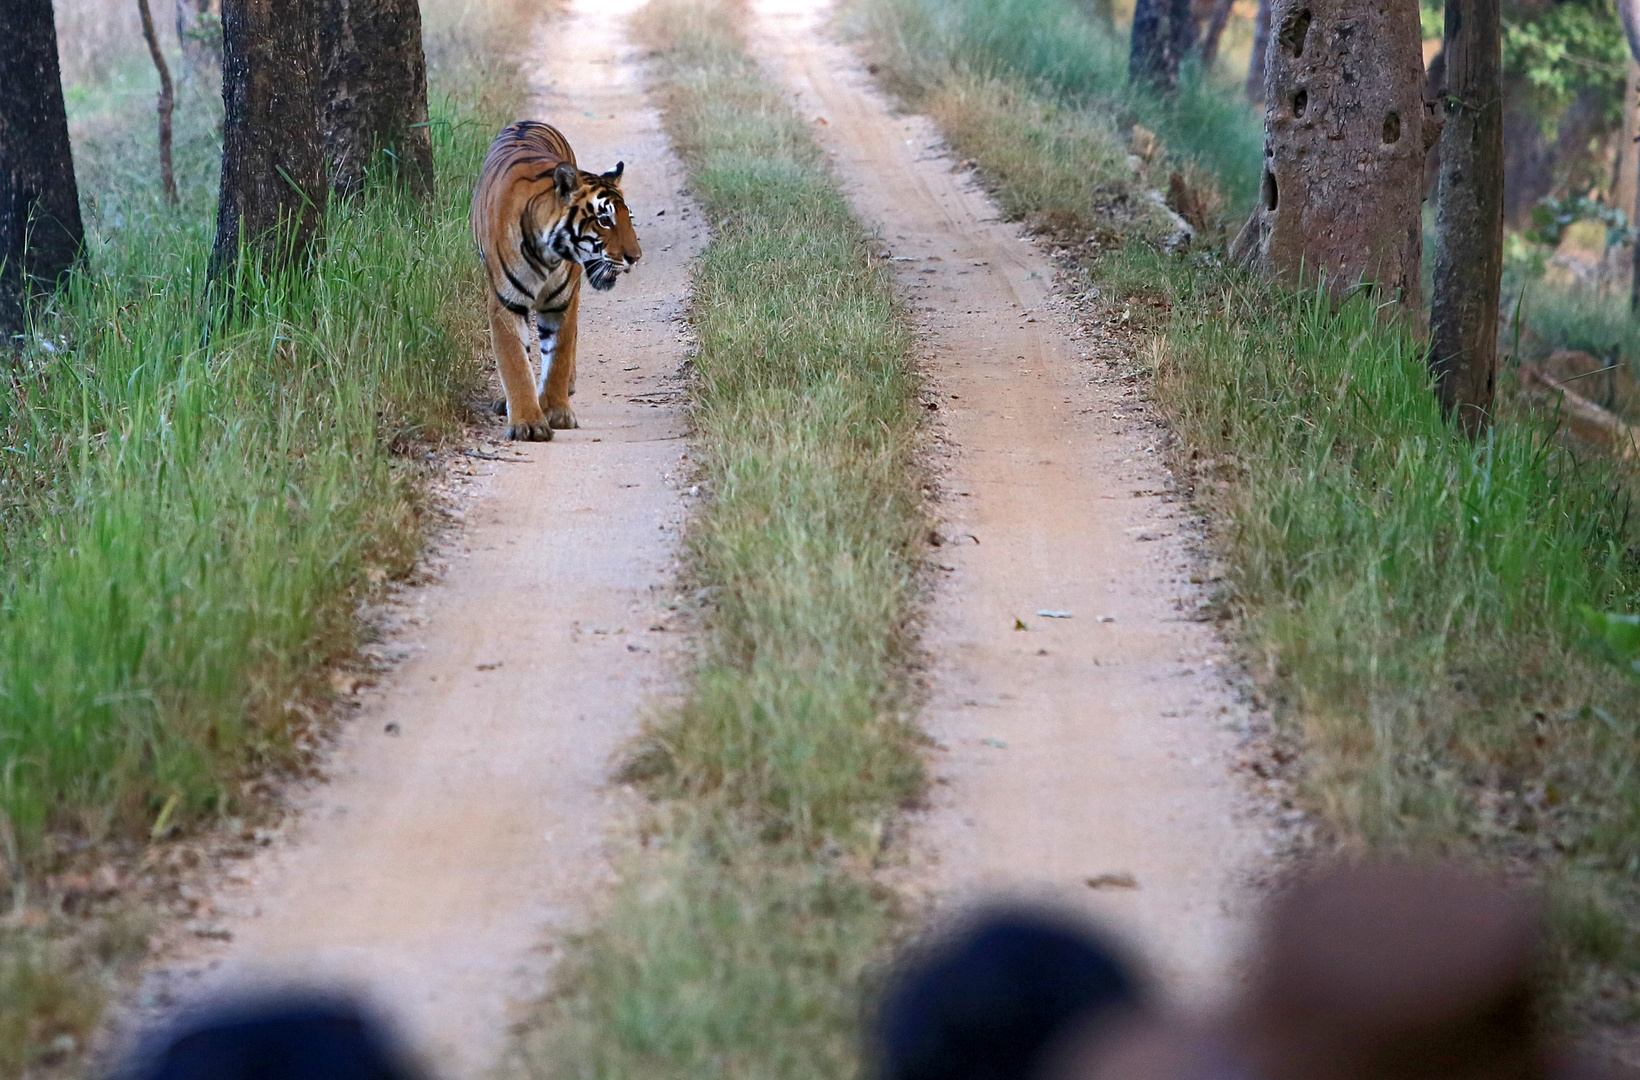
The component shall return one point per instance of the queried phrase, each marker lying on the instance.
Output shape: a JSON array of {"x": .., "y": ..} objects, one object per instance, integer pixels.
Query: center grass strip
[{"x": 736, "y": 946}]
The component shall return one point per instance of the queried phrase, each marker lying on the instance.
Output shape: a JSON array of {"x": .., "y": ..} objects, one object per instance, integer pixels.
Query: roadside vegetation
[
  {"x": 747, "y": 915},
  {"x": 1411, "y": 604},
  {"x": 192, "y": 507}
]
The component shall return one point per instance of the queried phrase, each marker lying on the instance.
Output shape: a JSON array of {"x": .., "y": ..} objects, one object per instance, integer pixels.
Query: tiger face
[{"x": 596, "y": 229}]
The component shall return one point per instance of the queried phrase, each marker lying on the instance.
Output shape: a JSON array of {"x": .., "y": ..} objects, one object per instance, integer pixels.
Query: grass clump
[
  {"x": 736, "y": 945},
  {"x": 1410, "y": 602}
]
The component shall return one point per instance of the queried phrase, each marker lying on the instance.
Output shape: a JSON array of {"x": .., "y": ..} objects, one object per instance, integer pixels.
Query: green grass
[
  {"x": 191, "y": 510},
  {"x": 1056, "y": 56},
  {"x": 188, "y": 515},
  {"x": 1409, "y": 602},
  {"x": 736, "y": 944}
]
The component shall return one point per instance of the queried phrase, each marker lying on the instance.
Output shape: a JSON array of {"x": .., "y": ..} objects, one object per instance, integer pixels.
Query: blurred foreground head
[
  {"x": 991, "y": 998},
  {"x": 1360, "y": 972},
  {"x": 284, "y": 1037},
  {"x": 1365, "y": 972},
  {"x": 1395, "y": 971}
]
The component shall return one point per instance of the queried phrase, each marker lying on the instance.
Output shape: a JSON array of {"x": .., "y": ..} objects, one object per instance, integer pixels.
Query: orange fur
[{"x": 542, "y": 225}]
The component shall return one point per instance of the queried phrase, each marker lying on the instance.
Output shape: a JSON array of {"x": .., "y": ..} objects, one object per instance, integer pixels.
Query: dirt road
[
  {"x": 1087, "y": 747},
  {"x": 441, "y": 857}
]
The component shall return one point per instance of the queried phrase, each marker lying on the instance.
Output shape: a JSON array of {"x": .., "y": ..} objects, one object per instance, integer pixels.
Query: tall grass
[
  {"x": 737, "y": 942},
  {"x": 191, "y": 509},
  {"x": 1410, "y": 602},
  {"x": 188, "y": 512}
]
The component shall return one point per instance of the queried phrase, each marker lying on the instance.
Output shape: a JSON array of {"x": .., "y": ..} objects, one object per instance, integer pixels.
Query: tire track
[{"x": 1084, "y": 759}]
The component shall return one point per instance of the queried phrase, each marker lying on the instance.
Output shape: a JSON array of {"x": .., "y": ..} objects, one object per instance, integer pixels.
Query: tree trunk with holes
[
  {"x": 375, "y": 94},
  {"x": 1463, "y": 325},
  {"x": 273, "y": 163},
  {"x": 1163, "y": 31},
  {"x": 1261, "y": 46},
  {"x": 1346, "y": 127},
  {"x": 40, "y": 228}
]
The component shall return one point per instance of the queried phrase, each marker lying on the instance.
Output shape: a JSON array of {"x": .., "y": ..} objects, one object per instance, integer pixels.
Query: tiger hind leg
[
  {"x": 558, "y": 369},
  {"x": 511, "y": 340}
]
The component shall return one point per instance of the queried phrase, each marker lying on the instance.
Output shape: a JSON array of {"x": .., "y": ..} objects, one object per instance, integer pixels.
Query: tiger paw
[
  {"x": 530, "y": 430},
  {"x": 562, "y": 418}
]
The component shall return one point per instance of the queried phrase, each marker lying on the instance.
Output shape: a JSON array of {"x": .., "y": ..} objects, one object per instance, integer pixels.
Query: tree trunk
[
  {"x": 1215, "y": 30},
  {"x": 1162, "y": 32},
  {"x": 40, "y": 229},
  {"x": 1434, "y": 90},
  {"x": 375, "y": 93},
  {"x": 273, "y": 165},
  {"x": 166, "y": 105},
  {"x": 1345, "y": 132},
  {"x": 1463, "y": 331},
  {"x": 201, "y": 47},
  {"x": 1261, "y": 46},
  {"x": 1625, "y": 190},
  {"x": 1629, "y": 12}
]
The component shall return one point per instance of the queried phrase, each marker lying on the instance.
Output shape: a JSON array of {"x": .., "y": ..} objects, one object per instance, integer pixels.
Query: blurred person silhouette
[
  {"x": 988, "y": 999},
  {"x": 285, "y": 1036},
  {"x": 1360, "y": 972}
]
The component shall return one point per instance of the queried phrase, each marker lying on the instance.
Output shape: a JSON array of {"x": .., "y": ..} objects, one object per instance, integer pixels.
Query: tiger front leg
[
  {"x": 558, "y": 365},
  {"x": 511, "y": 340}
]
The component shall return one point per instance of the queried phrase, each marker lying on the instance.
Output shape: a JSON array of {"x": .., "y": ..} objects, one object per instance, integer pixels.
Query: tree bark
[
  {"x": 273, "y": 166},
  {"x": 1215, "y": 30},
  {"x": 1463, "y": 332},
  {"x": 1261, "y": 46},
  {"x": 375, "y": 94},
  {"x": 40, "y": 229},
  {"x": 1162, "y": 30},
  {"x": 166, "y": 104},
  {"x": 1345, "y": 132}
]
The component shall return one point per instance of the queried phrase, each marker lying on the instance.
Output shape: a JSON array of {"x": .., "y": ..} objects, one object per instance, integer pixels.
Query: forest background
[{"x": 137, "y": 454}]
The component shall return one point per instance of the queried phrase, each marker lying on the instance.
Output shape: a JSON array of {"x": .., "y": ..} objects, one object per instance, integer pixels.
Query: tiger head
[{"x": 596, "y": 229}]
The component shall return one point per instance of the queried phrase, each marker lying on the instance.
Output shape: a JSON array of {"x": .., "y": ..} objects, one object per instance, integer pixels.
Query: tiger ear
[
  {"x": 614, "y": 175},
  {"x": 566, "y": 178}
]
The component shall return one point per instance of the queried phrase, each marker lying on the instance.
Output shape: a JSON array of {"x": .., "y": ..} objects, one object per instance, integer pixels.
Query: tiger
[{"x": 539, "y": 221}]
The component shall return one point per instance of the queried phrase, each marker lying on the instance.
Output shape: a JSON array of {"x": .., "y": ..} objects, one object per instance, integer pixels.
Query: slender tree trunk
[
  {"x": 1215, "y": 30},
  {"x": 1162, "y": 32},
  {"x": 196, "y": 35},
  {"x": 1434, "y": 90},
  {"x": 273, "y": 165},
  {"x": 167, "y": 104},
  {"x": 1261, "y": 46},
  {"x": 1627, "y": 194},
  {"x": 1345, "y": 132},
  {"x": 1625, "y": 190},
  {"x": 1463, "y": 332},
  {"x": 375, "y": 93},
  {"x": 1629, "y": 12},
  {"x": 40, "y": 229}
]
